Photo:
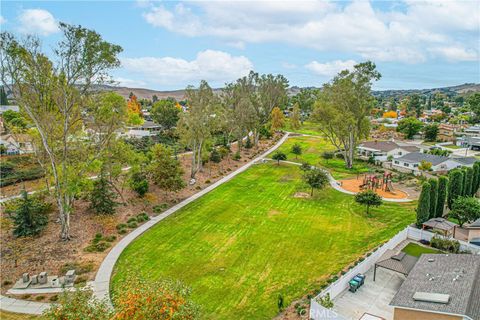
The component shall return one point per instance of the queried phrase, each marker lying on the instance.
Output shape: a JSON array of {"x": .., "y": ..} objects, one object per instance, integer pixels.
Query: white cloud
[
  {"x": 37, "y": 21},
  {"x": 456, "y": 53},
  {"x": 331, "y": 68},
  {"x": 2, "y": 20},
  {"x": 216, "y": 67},
  {"x": 404, "y": 33}
]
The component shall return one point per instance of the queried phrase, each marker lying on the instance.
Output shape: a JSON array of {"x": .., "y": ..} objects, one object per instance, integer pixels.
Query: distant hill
[
  {"x": 143, "y": 93},
  {"x": 451, "y": 91}
]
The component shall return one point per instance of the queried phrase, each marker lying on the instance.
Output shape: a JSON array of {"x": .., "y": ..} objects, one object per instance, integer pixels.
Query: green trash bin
[{"x": 353, "y": 285}]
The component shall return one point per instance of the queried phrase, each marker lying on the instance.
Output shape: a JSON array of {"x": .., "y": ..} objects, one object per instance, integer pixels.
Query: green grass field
[
  {"x": 252, "y": 238},
  {"x": 417, "y": 250},
  {"x": 312, "y": 149},
  {"x": 306, "y": 128}
]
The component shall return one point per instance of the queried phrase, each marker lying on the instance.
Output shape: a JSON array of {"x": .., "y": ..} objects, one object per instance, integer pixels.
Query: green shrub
[
  {"x": 122, "y": 231},
  {"x": 53, "y": 298},
  {"x": 139, "y": 183},
  {"x": 121, "y": 226},
  {"x": 39, "y": 298},
  {"x": 237, "y": 156},
  {"x": 141, "y": 217},
  {"x": 452, "y": 246},
  {"x": 132, "y": 219},
  {"x": 110, "y": 238},
  {"x": 159, "y": 207},
  {"x": 325, "y": 301},
  {"x": 132, "y": 224}
]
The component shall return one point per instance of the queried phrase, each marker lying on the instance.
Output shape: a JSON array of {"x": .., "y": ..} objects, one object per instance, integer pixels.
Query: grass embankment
[
  {"x": 312, "y": 149},
  {"x": 256, "y": 237}
]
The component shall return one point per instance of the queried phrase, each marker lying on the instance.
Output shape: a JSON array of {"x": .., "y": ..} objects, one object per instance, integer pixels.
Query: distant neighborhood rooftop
[
  {"x": 416, "y": 157},
  {"x": 455, "y": 277},
  {"x": 466, "y": 161},
  {"x": 386, "y": 146}
]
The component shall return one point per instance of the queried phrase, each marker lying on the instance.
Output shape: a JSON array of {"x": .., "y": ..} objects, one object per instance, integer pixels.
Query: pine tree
[
  {"x": 102, "y": 197},
  {"x": 29, "y": 216},
  {"x": 455, "y": 186},
  {"x": 464, "y": 184},
  {"x": 441, "y": 195},
  {"x": 423, "y": 209},
  {"x": 433, "y": 197}
]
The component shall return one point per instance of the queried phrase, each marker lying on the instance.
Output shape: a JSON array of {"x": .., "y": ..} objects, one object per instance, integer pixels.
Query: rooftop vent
[
  {"x": 431, "y": 260},
  {"x": 399, "y": 256},
  {"x": 431, "y": 297}
]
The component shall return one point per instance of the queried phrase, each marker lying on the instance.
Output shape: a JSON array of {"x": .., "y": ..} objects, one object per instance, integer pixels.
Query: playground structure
[
  {"x": 381, "y": 184},
  {"x": 374, "y": 182}
]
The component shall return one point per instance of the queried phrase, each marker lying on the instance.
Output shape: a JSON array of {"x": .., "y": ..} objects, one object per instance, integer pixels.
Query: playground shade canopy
[{"x": 398, "y": 262}]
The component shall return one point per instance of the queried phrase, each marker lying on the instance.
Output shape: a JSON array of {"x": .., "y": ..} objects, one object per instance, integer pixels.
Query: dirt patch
[
  {"x": 47, "y": 253},
  {"x": 301, "y": 195},
  {"x": 354, "y": 185},
  {"x": 272, "y": 213}
]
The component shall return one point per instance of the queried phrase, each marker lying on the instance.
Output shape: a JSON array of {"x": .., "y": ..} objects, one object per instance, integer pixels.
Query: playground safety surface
[{"x": 353, "y": 185}]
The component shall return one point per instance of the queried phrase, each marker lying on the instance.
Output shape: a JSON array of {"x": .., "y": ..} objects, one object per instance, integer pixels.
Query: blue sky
[{"x": 169, "y": 45}]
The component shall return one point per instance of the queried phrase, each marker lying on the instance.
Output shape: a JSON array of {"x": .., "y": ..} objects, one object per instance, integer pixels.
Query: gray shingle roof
[
  {"x": 466, "y": 161},
  {"x": 434, "y": 273},
  {"x": 416, "y": 157},
  {"x": 380, "y": 145}
]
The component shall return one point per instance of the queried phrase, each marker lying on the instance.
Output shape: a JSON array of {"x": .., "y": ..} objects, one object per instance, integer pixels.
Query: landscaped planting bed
[{"x": 258, "y": 236}]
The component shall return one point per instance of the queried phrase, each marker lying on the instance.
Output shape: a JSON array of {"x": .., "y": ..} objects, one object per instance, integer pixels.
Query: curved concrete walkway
[
  {"x": 22, "y": 306},
  {"x": 101, "y": 286},
  {"x": 336, "y": 185}
]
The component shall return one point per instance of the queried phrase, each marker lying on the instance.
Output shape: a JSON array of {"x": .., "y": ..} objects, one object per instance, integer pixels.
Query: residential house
[
  {"x": 473, "y": 230},
  {"x": 446, "y": 132},
  {"x": 440, "y": 287},
  {"x": 382, "y": 150},
  {"x": 470, "y": 138},
  {"x": 17, "y": 143},
  {"x": 441, "y": 164},
  {"x": 472, "y": 131},
  {"x": 148, "y": 129}
]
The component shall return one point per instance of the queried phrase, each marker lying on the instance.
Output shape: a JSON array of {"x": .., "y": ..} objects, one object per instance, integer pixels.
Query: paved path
[
  {"x": 101, "y": 285},
  {"x": 102, "y": 279},
  {"x": 336, "y": 185},
  {"x": 22, "y": 306}
]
